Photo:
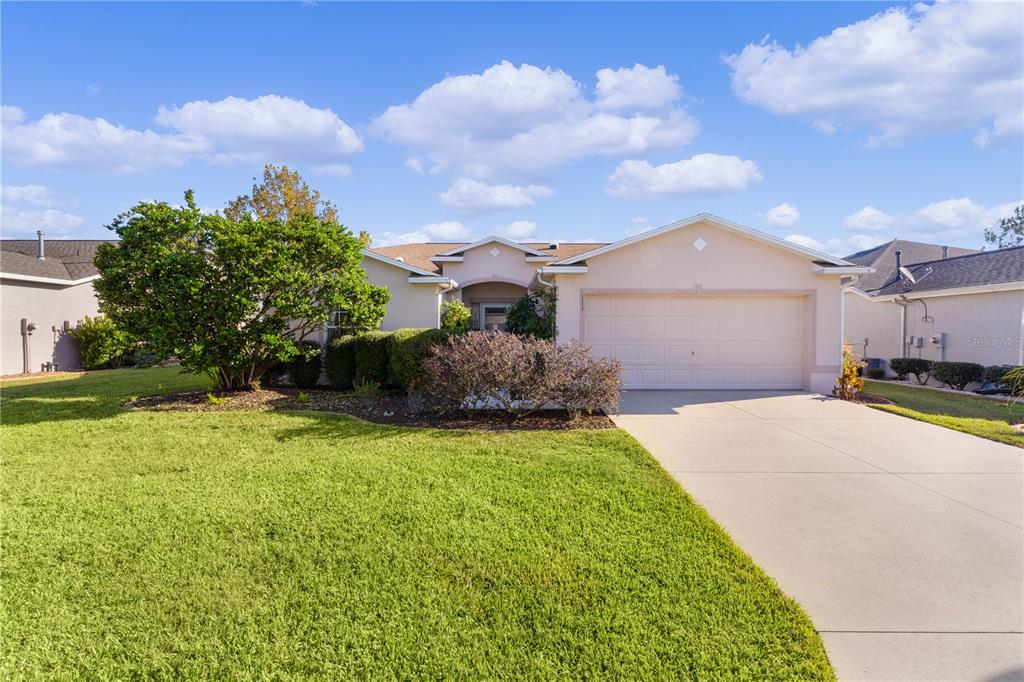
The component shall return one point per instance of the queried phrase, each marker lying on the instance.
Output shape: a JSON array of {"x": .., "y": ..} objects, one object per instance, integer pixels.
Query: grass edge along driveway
[
  {"x": 982, "y": 417},
  {"x": 240, "y": 545}
]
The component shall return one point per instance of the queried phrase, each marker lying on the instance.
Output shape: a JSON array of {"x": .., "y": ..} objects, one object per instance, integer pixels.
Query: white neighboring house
[
  {"x": 945, "y": 304},
  {"x": 45, "y": 288}
]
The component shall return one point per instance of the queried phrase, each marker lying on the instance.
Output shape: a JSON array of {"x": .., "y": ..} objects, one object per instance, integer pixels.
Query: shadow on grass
[
  {"x": 93, "y": 395},
  {"x": 333, "y": 426}
]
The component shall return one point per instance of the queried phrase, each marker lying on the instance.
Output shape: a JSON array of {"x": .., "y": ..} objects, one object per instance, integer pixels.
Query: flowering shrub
[
  {"x": 849, "y": 383},
  {"x": 499, "y": 370}
]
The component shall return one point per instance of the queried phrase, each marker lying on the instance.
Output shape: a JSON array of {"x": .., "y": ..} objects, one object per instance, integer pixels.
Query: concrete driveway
[{"x": 902, "y": 540}]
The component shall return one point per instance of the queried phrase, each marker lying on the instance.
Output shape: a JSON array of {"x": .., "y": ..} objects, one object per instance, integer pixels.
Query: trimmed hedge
[
  {"x": 995, "y": 373},
  {"x": 958, "y": 374},
  {"x": 407, "y": 349},
  {"x": 371, "y": 357},
  {"x": 874, "y": 373},
  {"x": 340, "y": 362},
  {"x": 303, "y": 369},
  {"x": 919, "y": 367}
]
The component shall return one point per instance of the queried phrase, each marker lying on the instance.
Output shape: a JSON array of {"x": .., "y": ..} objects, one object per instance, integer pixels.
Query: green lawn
[
  {"x": 294, "y": 545},
  {"x": 978, "y": 416}
]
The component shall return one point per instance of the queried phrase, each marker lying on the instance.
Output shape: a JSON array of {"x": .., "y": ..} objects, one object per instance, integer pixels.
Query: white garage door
[{"x": 699, "y": 341}]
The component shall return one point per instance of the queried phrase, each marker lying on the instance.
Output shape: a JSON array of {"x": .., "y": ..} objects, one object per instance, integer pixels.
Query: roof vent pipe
[
  {"x": 899, "y": 264},
  {"x": 945, "y": 252},
  {"x": 41, "y": 248},
  {"x": 553, "y": 245}
]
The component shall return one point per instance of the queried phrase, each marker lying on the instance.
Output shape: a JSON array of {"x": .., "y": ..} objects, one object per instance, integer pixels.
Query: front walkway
[{"x": 902, "y": 540}]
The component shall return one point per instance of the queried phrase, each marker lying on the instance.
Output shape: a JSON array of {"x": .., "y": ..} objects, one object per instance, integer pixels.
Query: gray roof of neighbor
[
  {"x": 68, "y": 259},
  {"x": 883, "y": 259},
  {"x": 984, "y": 267}
]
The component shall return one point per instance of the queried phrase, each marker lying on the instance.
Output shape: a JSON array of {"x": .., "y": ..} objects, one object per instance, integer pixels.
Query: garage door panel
[{"x": 688, "y": 341}]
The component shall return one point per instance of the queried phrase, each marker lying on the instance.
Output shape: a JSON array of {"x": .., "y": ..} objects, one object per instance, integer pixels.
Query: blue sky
[{"x": 838, "y": 125}]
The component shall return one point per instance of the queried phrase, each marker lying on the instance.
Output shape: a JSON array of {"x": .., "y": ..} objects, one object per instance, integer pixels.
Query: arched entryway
[{"x": 489, "y": 301}]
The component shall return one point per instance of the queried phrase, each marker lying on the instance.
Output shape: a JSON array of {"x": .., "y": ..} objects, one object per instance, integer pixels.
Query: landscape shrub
[
  {"x": 1015, "y": 377},
  {"x": 371, "y": 357},
  {"x": 996, "y": 374},
  {"x": 340, "y": 362},
  {"x": 958, "y": 374},
  {"x": 500, "y": 370},
  {"x": 456, "y": 317},
  {"x": 102, "y": 344},
  {"x": 919, "y": 367},
  {"x": 874, "y": 373},
  {"x": 533, "y": 314},
  {"x": 274, "y": 374},
  {"x": 408, "y": 349},
  {"x": 304, "y": 368},
  {"x": 849, "y": 383}
]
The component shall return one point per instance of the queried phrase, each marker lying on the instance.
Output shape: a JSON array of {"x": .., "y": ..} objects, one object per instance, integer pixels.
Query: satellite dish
[{"x": 909, "y": 275}]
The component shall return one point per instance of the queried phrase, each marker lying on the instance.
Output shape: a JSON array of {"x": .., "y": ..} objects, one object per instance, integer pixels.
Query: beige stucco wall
[
  {"x": 411, "y": 305},
  {"x": 48, "y": 305},
  {"x": 729, "y": 263},
  {"x": 479, "y": 265},
  {"x": 983, "y": 328}
]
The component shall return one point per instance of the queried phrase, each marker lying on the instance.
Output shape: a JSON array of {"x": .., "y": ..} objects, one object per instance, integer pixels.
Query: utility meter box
[{"x": 938, "y": 340}]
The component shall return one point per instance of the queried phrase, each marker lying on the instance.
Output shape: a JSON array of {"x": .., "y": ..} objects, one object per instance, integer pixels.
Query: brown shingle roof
[
  {"x": 419, "y": 255},
  {"x": 69, "y": 259}
]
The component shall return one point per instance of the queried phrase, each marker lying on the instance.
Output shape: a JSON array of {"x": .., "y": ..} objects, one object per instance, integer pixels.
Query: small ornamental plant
[{"x": 849, "y": 383}]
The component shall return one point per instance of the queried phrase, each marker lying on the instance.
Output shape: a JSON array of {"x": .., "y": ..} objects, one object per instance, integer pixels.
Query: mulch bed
[
  {"x": 875, "y": 399},
  {"x": 389, "y": 409}
]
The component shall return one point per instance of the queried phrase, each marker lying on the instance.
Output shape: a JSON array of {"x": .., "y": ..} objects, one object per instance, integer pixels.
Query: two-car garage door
[{"x": 699, "y": 341}]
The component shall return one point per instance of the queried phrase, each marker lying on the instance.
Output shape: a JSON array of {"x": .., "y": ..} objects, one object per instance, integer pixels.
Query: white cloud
[
  {"x": 520, "y": 121},
  {"x": 27, "y": 208},
  {"x": 338, "y": 170},
  {"x": 704, "y": 174},
  {"x": 868, "y": 218},
  {"x": 638, "y": 220},
  {"x": 449, "y": 231},
  {"x": 783, "y": 215},
  {"x": 907, "y": 71},
  {"x": 266, "y": 129},
  {"x": 520, "y": 230},
  {"x": 26, "y": 221},
  {"x": 838, "y": 247},
  {"x": 640, "y": 87},
  {"x": 33, "y": 195},
  {"x": 470, "y": 196}
]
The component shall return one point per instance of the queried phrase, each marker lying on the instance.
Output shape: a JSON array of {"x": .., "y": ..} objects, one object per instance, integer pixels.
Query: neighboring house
[
  {"x": 47, "y": 284},
  {"x": 948, "y": 304},
  {"x": 700, "y": 303}
]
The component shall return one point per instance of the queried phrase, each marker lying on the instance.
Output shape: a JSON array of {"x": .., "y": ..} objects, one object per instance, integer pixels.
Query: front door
[{"x": 493, "y": 316}]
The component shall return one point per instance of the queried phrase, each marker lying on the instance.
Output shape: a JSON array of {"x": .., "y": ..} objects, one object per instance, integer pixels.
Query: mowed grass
[
  {"x": 982, "y": 417},
  {"x": 297, "y": 545}
]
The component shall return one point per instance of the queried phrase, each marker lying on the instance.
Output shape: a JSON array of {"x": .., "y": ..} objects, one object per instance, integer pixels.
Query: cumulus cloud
[
  {"x": 907, "y": 71},
  {"x": 639, "y": 87},
  {"x": 449, "y": 231},
  {"x": 520, "y": 230},
  {"x": 266, "y": 129},
  {"x": 868, "y": 218},
  {"x": 33, "y": 195},
  {"x": 472, "y": 196},
  {"x": 522, "y": 122},
  {"x": 838, "y": 246},
  {"x": 27, "y": 208},
  {"x": 783, "y": 215},
  {"x": 704, "y": 174}
]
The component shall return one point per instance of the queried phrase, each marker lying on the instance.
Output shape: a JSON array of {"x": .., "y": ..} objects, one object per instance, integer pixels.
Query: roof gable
[
  {"x": 528, "y": 250},
  {"x": 736, "y": 228}
]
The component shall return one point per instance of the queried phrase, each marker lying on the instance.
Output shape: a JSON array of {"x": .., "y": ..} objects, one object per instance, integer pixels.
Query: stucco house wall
[
  {"x": 983, "y": 327},
  {"x": 48, "y": 305},
  {"x": 728, "y": 264},
  {"x": 481, "y": 265},
  {"x": 411, "y": 305}
]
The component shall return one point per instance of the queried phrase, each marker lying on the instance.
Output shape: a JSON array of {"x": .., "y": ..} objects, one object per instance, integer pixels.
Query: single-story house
[
  {"x": 45, "y": 289},
  {"x": 700, "y": 303},
  {"x": 938, "y": 303}
]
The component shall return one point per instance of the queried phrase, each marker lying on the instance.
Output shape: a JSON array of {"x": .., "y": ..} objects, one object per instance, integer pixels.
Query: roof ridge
[{"x": 965, "y": 255}]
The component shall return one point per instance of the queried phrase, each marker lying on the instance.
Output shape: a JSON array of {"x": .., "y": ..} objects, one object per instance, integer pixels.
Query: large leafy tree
[
  {"x": 231, "y": 298},
  {"x": 1009, "y": 232},
  {"x": 282, "y": 194}
]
